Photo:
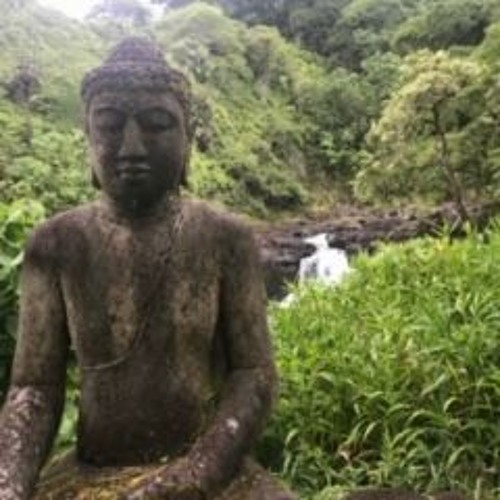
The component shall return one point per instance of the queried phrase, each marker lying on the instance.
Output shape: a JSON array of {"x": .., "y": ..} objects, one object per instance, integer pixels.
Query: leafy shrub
[
  {"x": 392, "y": 378},
  {"x": 41, "y": 161},
  {"x": 66, "y": 437},
  {"x": 444, "y": 24},
  {"x": 61, "y": 50},
  {"x": 434, "y": 137},
  {"x": 251, "y": 88}
]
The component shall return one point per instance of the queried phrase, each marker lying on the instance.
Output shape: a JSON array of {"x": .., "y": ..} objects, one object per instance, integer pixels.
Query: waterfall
[{"x": 326, "y": 265}]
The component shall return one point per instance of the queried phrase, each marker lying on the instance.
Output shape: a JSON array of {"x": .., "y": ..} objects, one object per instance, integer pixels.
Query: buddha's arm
[
  {"x": 31, "y": 413},
  {"x": 251, "y": 384}
]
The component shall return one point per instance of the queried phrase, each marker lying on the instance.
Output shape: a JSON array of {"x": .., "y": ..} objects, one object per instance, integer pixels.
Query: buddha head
[{"x": 138, "y": 124}]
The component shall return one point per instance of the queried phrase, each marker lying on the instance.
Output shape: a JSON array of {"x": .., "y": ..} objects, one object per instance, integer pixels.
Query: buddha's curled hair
[{"x": 137, "y": 62}]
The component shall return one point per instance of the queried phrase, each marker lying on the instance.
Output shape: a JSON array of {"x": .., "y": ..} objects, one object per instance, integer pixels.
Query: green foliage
[
  {"x": 374, "y": 14},
  {"x": 16, "y": 220},
  {"x": 249, "y": 85},
  {"x": 382, "y": 71},
  {"x": 392, "y": 378},
  {"x": 417, "y": 146},
  {"x": 132, "y": 11},
  {"x": 41, "y": 161},
  {"x": 340, "y": 105},
  {"x": 66, "y": 437},
  {"x": 489, "y": 50},
  {"x": 345, "y": 107},
  {"x": 364, "y": 30},
  {"x": 312, "y": 24},
  {"x": 444, "y": 24},
  {"x": 275, "y": 124},
  {"x": 60, "y": 50},
  {"x": 262, "y": 12},
  {"x": 258, "y": 155}
]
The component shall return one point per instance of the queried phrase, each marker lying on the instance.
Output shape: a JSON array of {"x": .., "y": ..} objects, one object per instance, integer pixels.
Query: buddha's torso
[{"x": 144, "y": 325}]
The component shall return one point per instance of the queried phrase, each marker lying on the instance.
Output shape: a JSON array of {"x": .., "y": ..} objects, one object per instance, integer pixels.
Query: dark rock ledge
[{"x": 282, "y": 244}]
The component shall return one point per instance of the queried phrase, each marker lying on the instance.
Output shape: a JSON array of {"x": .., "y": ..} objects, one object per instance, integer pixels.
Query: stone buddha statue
[{"x": 162, "y": 301}]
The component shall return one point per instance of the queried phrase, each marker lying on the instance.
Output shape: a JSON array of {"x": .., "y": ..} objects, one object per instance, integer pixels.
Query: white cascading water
[{"x": 326, "y": 265}]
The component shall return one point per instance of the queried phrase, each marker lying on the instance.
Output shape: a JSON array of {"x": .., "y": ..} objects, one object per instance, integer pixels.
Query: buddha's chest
[{"x": 133, "y": 286}]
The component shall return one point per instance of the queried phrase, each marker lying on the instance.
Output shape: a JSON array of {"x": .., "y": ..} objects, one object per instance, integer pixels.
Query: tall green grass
[{"x": 393, "y": 378}]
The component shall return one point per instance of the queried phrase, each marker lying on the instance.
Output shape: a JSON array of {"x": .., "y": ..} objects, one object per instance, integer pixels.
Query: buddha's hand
[{"x": 176, "y": 481}]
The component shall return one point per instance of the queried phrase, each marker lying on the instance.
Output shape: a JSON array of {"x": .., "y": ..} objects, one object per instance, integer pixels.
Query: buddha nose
[{"x": 132, "y": 146}]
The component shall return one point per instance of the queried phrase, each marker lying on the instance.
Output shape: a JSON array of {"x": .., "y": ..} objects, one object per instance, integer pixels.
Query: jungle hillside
[{"x": 298, "y": 104}]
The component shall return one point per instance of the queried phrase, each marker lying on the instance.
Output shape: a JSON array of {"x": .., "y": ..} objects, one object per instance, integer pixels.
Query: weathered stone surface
[{"x": 66, "y": 479}]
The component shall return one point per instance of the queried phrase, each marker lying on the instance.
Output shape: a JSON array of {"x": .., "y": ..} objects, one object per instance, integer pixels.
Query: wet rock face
[
  {"x": 282, "y": 245},
  {"x": 281, "y": 255}
]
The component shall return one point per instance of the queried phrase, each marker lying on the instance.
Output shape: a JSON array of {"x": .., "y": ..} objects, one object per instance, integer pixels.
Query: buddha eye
[
  {"x": 109, "y": 122},
  {"x": 156, "y": 121}
]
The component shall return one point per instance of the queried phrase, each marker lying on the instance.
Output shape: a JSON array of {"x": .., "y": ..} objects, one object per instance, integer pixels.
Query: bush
[
  {"x": 42, "y": 161},
  {"x": 392, "y": 378}
]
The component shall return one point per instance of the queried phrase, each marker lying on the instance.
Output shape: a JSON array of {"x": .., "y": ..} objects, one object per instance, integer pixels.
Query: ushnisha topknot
[{"x": 137, "y": 62}]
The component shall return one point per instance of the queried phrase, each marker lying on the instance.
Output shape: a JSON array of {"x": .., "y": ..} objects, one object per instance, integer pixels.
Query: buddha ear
[
  {"x": 94, "y": 180},
  {"x": 186, "y": 168},
  {"x": 84, "y": 120},
  {"x": 190, "y": 132}
]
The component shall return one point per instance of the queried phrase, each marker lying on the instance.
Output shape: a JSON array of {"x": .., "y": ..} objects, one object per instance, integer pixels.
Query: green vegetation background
[
  {"x": 298, "y": 104},
  {"x": 393, "y": 378},
  {"x": 301, "y": 104}
]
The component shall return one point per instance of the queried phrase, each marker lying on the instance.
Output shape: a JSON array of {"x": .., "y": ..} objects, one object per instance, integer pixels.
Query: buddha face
[{"x": 139, "y": 144}]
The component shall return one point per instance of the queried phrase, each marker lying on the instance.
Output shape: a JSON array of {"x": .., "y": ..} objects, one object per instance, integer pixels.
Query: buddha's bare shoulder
[
  {"x": 219, "y": 221},
  {"x": 52, "y": 238}
]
